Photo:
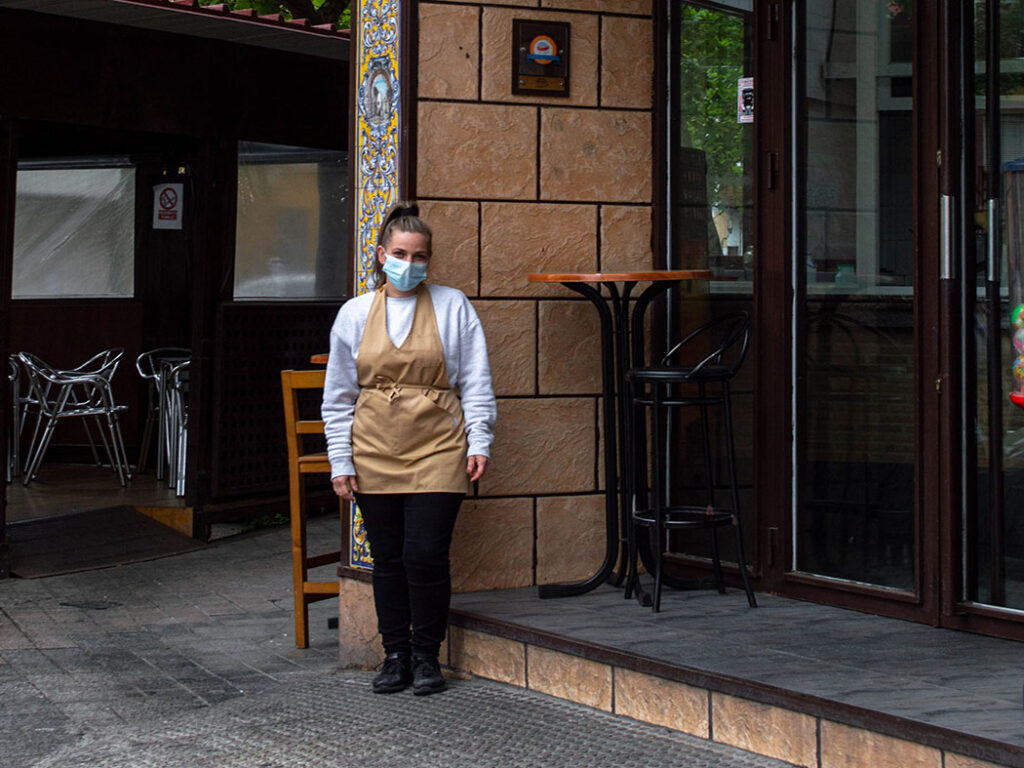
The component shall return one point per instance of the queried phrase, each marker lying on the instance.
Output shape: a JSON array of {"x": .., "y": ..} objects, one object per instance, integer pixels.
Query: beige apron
[{"x": 408, "y": 433}]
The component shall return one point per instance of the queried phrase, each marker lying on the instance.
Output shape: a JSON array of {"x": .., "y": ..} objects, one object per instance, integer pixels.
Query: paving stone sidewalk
[{"x": 190, "y": 661}]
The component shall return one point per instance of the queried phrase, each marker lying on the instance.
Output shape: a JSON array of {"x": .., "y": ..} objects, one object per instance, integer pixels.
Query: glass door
[
  {"x": 992, "y": 518},
  {"x": 855, "y": 295},
  {"x": 712, "y": 208}
]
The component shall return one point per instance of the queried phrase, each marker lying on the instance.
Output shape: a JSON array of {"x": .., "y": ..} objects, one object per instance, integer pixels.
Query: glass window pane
[
  {"x": 714, "y": 187},
  {"x": 855, "y": 405},
  {"x": 712, "y": 228},
  {"x": 992, "y": 519},
  {"x": 291, "y": 240},
  {"x": 74, "y": 233}
]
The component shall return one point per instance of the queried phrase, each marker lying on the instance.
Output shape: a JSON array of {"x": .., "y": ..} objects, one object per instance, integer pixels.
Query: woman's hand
[
  {"x": 344, "y": 486},
  {"x": 475, "y": 467}
]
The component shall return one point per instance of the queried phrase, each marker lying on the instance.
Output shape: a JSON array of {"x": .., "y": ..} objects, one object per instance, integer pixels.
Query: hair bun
[{"x": 412, "y": 210}]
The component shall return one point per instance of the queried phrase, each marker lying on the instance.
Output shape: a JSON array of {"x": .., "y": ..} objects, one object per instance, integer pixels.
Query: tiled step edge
[{"x": 797, "y": 728}]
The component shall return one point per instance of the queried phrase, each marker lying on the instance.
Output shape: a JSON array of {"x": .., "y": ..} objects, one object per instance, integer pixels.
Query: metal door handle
[
  {"x": 946, "y": 225},
  {"x": 993, "y": 240}
]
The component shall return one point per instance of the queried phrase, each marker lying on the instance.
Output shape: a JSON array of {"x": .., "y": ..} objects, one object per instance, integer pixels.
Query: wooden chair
[{"x": 300, "y": 464}]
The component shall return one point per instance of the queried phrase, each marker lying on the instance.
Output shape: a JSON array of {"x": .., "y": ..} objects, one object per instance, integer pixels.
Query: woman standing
[{"x": 409, "y": 413}]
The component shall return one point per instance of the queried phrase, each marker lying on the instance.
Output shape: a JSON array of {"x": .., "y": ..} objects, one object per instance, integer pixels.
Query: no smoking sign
[{"x": 167, "y": 204}]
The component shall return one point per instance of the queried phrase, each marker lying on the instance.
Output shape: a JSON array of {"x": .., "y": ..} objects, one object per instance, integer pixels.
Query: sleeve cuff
[{"x": 342, "y": 467}]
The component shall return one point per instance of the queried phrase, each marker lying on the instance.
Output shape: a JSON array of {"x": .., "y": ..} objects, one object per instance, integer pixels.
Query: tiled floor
[
  {"x": 822, "y": 660},
  {"x": 190, "y": 661}
]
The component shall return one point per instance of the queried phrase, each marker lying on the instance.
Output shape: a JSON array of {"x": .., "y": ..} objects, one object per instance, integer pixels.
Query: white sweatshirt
[{"x": 465, "y": 356}]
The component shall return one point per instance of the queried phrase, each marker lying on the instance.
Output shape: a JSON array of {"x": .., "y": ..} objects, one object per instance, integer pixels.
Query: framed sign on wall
[{"x": 540, "y": 57}]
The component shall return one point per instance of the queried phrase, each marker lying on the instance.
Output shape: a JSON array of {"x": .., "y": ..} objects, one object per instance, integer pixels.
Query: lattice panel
[{"x": 254, "y": 344}]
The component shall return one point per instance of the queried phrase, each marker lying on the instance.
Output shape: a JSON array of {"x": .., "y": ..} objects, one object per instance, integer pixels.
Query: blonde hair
[{"x": 403, "y": 217}]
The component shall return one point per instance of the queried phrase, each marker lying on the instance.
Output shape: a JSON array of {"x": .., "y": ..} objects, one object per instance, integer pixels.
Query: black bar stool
[{"x": 722, "y": 346}]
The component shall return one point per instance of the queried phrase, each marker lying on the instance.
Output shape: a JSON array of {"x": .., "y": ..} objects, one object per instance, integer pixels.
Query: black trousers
[{"x": 410, "y": 536}]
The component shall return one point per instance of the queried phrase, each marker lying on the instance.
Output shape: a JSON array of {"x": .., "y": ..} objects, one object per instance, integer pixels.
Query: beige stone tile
[
  {"x": 358, "y": 640},
  {"x": 843, "y": 746},
  {"x": 607, "y": 6},
  {"x": 766, "y": 730},
  {"x": 449, "y": 51},
  {"x": 570, "y": 537},
  {"x": 520, "y": 238},
  {"x": 595, "y": 155},
  {"x": 569, "y": 348},
  {"x": 627, "y": 62},
  {"x": 662, "y": 702},
  {"x": 455, "y": 234},
  {"x": 960, "y": 761},
  {"x": 542, "y": 445},
  {"x": 492, "y": 547},
  {"x": 495, "y": 658},
  {"x": 476, "y": 151},
  {"x": 570, "y": 677},
  {"x": 626, "y": 238},
  {"x": 496, "y": 77},
  {"x": 511, "y": 330}
]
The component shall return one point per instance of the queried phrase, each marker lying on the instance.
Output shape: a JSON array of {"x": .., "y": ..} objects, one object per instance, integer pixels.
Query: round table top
[{"x": 610, "y": 277}]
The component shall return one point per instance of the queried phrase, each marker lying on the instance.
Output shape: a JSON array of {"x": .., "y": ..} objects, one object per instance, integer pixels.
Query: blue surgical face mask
[{"x": 404, "y": 275}]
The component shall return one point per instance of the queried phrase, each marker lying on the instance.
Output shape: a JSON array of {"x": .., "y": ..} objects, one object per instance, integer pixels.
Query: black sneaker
[
  {"x": 395, "y": 674},
  {"x": 426, "y": 675}
]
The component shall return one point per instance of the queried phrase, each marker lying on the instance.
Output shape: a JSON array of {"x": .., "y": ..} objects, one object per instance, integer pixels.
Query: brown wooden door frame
[
  {"x": 8, "y": 181},
  {"x": 935, "y": 485},
  {"x": 772, "y": 306},
  {"x": 214, "y": 180}
]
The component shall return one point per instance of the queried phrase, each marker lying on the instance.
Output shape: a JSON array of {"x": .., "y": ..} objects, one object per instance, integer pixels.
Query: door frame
[
  {"x": 936, "y": 439},
  {"x": 8, "y": 194}
]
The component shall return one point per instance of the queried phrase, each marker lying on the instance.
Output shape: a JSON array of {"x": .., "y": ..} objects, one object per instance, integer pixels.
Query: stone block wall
[{"x": 518, "y": 184}]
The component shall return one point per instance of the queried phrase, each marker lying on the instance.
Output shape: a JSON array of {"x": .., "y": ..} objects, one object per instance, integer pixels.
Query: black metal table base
[{"x": 619, "y": 352}]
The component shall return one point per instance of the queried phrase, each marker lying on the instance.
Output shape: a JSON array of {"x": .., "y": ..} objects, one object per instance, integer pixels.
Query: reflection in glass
[
  {"x": 291, "y": 240},
  {"x": 854, "y": 272},
  {"x": 714, "y": 219},
  {"x": 712, "y": 226},
  {"x": 993, "y": 525}
]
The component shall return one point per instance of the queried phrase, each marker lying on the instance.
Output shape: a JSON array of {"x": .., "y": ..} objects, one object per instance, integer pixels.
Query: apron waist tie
[{"x": 393, "y": 388}]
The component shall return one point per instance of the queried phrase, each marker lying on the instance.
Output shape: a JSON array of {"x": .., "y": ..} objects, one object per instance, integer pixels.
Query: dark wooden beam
[{"x": 8, "y": 180}]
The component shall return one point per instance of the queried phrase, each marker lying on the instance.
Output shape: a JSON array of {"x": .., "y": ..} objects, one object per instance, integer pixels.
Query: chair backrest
[
  {"x": 53, "y": 389},
  {"x": 146, "y": 363},
  {"x": 727, "y": 337},
  {"x": 42, "y": 380},
  {"x": 295, "y": 428},
  {"x": 103, "y": 364}
]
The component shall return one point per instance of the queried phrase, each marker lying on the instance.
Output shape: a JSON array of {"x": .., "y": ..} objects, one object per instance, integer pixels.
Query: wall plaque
[{"x": 540, "y": 57}]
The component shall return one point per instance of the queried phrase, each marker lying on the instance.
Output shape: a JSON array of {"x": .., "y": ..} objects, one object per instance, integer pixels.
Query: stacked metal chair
[
  {"x": 85, "y": 393},
  {"x": 176, "y": 424},
  {"x": 154, "y": 366}
]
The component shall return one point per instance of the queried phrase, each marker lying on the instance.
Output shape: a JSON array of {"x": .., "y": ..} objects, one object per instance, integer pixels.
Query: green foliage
[
  {"x": 711, "y": 65},
  {"x": 336, "y": 12}
]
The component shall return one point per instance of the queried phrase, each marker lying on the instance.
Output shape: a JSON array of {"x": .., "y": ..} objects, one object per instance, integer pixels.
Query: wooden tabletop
[{"x": 609, "y": 277}]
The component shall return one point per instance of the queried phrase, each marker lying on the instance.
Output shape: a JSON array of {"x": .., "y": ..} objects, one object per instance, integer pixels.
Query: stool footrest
[
  {"x": 326, "y": 588},
  {"x": 686, "y": 517}
]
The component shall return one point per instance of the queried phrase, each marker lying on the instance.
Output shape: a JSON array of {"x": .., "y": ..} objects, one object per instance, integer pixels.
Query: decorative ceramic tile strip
[
  {"x": 378, "y": 121},
  {"x": 377, "y": 155}
]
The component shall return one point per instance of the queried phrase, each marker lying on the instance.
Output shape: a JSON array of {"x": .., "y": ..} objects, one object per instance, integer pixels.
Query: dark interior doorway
[{"x": 79, "y": 94}]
